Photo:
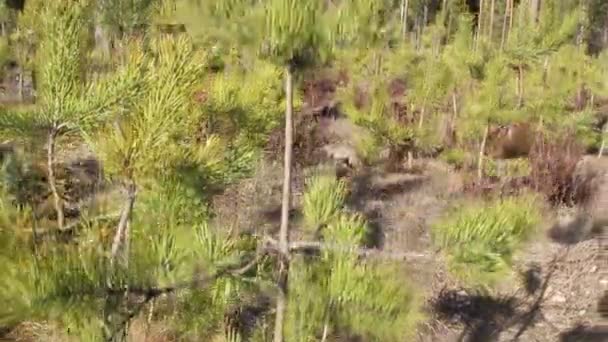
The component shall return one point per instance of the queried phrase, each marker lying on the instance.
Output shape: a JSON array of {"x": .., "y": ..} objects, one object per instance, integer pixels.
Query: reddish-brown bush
[
  {"x": 553, "y": 163},
  {"x": 308, "y": 139}
]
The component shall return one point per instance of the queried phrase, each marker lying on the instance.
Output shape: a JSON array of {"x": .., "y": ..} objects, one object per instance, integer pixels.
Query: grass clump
[
  {"x": 323, "y": 200},
  {"x": 481, "y": 238},
  {"x": 455, "y": 156}
]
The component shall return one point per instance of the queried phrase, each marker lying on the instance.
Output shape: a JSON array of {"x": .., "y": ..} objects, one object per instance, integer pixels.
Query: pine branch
[
  {"x": 152, "y": 293},
  {"x": 198, "y": 281},
  {"x": 303, "y": 246}
]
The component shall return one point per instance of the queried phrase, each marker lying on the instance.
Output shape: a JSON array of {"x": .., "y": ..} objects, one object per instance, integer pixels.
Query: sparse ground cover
[{"x": 448, "y": 178}]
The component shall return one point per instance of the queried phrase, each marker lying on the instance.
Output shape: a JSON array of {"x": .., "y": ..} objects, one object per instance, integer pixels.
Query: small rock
[
  {"x": 558, "y": 298},
  {"x": 593, "y": 269},
  {"x": 604, "y": 282},
  {"x": 582, "y": 312}
]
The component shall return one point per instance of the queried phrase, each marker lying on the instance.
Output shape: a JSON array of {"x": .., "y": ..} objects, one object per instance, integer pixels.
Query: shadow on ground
[
  {"x": 573, "y": 230},
  {"x": 369, "y": 187},
  {"x": 486, "y": 318},
  {"x": 583, "y": 333}
]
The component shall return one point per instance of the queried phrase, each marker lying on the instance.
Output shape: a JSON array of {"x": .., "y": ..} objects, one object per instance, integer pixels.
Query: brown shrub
[
  {"x": 317, "y": 92},
  {"x": 553, "y": 164},
  {"x": 308, "y": 138}
]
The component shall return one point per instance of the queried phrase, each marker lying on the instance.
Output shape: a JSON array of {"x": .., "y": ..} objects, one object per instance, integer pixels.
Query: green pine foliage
[
  {"x": 374, "y": 113},
  {"x": 339, "y": 294},
  {"x": 177, "y": 117},
  {"x": 480, "y": 239},
  {"x": 323, "y": 201},
  {"x": 149, "y": 135},
  {"x": 241, "y": 110}
]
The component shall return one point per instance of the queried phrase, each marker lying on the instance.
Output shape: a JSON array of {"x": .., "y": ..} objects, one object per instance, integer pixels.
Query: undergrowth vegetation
[
  {"x": 480, "y": 238},
  {"x": 134, "y": 117},
  {"x": 340, "y": 294}
]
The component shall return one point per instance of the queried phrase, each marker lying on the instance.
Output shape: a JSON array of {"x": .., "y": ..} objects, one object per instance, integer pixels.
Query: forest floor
[{"x": 552, "y": 296}]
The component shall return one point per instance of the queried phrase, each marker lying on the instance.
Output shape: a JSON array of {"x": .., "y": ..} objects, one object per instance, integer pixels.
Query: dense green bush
[
  {"x": 480, "y": 238},
  {"x": 323, "y": 200}
]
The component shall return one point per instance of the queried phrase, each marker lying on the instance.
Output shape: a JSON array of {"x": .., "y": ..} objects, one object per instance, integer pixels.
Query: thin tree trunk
[
  {"x": 52, "y": 180},
  {"x": 125, "y": 216},
  {"x": 603, "y": 145},
  {"x": 407, "y": 9},
  {"x": 454, "y": 104},
  {"x": 21, "y": 85},
  {"x": 285, "y": 206},
  {"x": 417, "y": 32},
  {"x": 491, "y": 28},
  {"x": 421, "y": 121},
  {"x": 503, "y": 36},
  {"x": 453, "y": 119},
  {"x": 510, "y": 19},
  {"x": 449, "y": 29},
  {"x": 404, "y": 14},
  {"x": 102, "y": 41},
  {"x": 34, "y": 230},
  {"x": 377, "y": 63},
  {"x": 325, "y": 329},
  {"x": 480, "y": 18},
  {"x": 127, "y": 241},
  {"x": 149, "y": 320},
  {"x": 425, "y": 19},
  {"x": 541, "y": 124},
  {"x": 520, "y": 86},
  {"x": 34, "y": 83},
  {"x": 534, "y": 10},
  {"x": 482, "y": 151},
  {"x": 425, "y": 11},
  {"x": 545, "y": 71},
  {"x": 410, "y": 159}
]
